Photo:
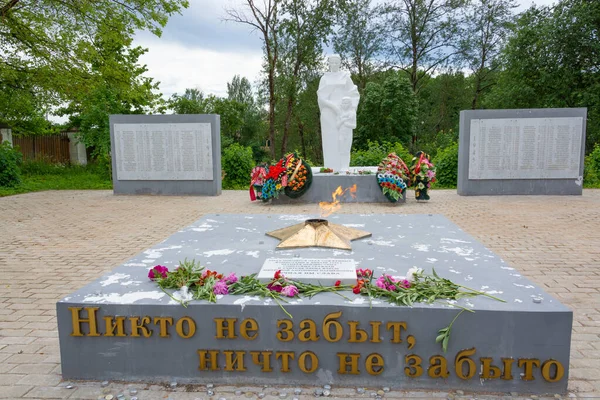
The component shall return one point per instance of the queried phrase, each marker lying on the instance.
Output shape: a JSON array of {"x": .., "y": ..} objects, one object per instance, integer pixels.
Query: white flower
[{"x": 410, "y": 275}]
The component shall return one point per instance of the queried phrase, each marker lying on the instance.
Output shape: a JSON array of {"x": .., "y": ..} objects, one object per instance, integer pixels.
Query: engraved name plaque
[
  {"x": 176, "y": 151},
  {"x": 525, "y": 148},
  {"x": 325, "y": 271}
]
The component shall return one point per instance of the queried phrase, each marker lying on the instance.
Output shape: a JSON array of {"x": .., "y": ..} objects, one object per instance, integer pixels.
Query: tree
[
  {"x": 303, "y": 31},
  {"x": 553, "y": 60},
  {"x": 49, "y": 41},
  {"x": 440, "y": 102},
  {"x": 264, "y": 19},
  {"x": 387, "y": 112},
  {"x": 486, "y": 27},
  {"x": 192, "y": 101},
  {"x": 115, "y": 84},
  {"x": 240, "y": 90},
  {"x": 421, "y": 32},
  {"x": 360, "y": 39}
]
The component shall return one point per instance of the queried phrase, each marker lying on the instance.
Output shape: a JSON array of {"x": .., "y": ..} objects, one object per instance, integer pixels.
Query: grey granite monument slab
[
  {"x": 526, "y": 152},
  {"x": 123, "y": 327},
  {"x": 166, "y": 154},
  {"x": 323, "y": 184},
  {"x": 316, "y": 271}
]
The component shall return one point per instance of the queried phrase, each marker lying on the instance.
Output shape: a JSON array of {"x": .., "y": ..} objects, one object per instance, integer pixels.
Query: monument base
[
  {"x": 123, "y": 327},
  {"x": 323, "y": 184}
]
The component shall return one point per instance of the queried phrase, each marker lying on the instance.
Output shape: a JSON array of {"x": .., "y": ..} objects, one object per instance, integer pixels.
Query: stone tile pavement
[{"x": 52, "y": 243}]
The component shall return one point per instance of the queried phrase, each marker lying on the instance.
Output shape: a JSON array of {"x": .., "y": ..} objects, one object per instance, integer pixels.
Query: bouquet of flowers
[
  {"x": 423, "y": 175},
  {"x": 192, "y": 282},
  {"x": 393, "y": 177},
  {"x": 290, "y": 175},
  {"x": 274, "y": 182}
]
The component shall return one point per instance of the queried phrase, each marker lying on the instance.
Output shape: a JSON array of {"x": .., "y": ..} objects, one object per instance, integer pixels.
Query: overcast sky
[{"x": 199, "y": 49}]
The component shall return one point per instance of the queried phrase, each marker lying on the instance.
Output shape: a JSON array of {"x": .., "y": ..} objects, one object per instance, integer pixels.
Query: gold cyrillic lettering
[
  {"x": 330, "y": 321},
  {"x": 206, "y": 363},
  {"x": 413, "y": 367},
  {"x": 314, "y": 362},
  {"x": 559, "y": 372},
  {"x": 357, "y": 335},
  {"x": 374, "y": 364},
  {"x": 76, "y": 321},
  {"x": 287, "y": 329},
  {"x": 308, "y": 331},
  {"x": 136, "y": 326},
  {"x": 348, "y": 360},
  {"x": 249, "y": 326},
  {"x": 489, "y": 371},
  {"x": 396, "y": 330},
  {"x": 262, "y": 358},
  {"x": 163, "y": 323},
  {"x": 285, "y": 356},
  {"x": 507, "y": 374},
  {"x": 234, "y": 364},
  {"x": 375, "y": 336},
  {"x": 461, "y": 358},
  {"x": 528, "y": 364},
  {"x": 110, "y": 326},
  {"x": 225, "y": 324},
  {"x": 438, "y": 367},
  {"x": 191, "y": 327}
]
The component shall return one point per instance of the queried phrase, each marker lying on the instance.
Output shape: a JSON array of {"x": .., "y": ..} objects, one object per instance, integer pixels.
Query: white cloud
[{"x": 178, "y": 67}]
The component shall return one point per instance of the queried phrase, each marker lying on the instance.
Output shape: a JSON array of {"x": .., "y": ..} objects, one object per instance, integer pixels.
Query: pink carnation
[
  {"x": 158, "y": 271},
  {"x": 289, "y": 291},
  {"x": 275, "y": 287},
  {"x": 380, "y": 282},
  {"x": 405, "y": 284},
  {"x": 430, "y": 174},
  {"x": 231, "y": 278},
  {"x": 220, "y": 287}
]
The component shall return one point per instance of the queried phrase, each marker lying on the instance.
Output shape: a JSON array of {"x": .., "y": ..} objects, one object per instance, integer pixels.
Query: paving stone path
[{"x": 52, "y": 243}]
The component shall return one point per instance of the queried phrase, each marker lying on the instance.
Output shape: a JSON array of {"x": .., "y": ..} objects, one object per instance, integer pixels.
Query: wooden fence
[{"x": 53, "y": 148}]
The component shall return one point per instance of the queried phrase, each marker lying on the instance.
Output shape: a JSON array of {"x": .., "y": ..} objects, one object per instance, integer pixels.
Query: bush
[
  {"x": 376, "y": 152},
  {"x": 10, "y": 161},
  {"x": 41, "y": 166},
  {"x": 446, "y": 163},
  {"x": 237, "y": 164},
  {"x": 591, "y": 168}
]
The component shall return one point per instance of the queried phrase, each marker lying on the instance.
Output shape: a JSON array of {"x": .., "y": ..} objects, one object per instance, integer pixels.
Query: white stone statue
[{"x": 338, "y": 100}]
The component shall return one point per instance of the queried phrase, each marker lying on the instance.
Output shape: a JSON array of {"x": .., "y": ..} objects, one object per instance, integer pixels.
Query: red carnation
[{"x": 338, "y": 283}]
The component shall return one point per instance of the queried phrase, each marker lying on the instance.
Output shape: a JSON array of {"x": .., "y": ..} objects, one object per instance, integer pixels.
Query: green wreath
[{"x": 299, "y": 176}]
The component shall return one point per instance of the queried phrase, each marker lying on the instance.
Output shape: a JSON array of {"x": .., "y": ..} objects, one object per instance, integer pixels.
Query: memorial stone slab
[
  {"x": 123, "y": 327},
  {"x": 166, "y": 154},
  {"x": 323, "y": 184},
  {"x": 317, "y": 271},
  {"x": 537, "y": 151}
]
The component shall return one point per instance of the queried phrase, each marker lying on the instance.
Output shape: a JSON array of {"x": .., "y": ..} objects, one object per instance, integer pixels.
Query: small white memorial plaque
[{"x": 324, "y": 271}]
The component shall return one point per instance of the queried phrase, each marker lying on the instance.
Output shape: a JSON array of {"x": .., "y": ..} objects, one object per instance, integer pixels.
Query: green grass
[{"x": 37, "y": 178}]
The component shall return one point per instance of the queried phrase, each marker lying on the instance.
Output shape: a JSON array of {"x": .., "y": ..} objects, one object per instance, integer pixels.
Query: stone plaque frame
[
  {"x": 538, "y": 186},
  {"x": 210, "y": 187}
]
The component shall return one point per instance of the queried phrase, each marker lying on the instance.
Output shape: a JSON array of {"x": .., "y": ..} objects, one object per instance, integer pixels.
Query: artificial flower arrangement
[
  {"x": 290, "y": 175},
  {"x": 423, "y": 175},
  {"x": 192, "y": 282},
  {"x": 299, "y": 176},
  {"x": 393, "y": 177}
]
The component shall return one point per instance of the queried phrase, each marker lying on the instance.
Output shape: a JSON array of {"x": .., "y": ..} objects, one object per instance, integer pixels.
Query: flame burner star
[{"x": 317, "y": 233}]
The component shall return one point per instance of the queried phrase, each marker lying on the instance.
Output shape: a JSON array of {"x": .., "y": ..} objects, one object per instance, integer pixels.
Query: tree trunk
[
  {"x": 286, "y": 126},
  {"x": 301, "y": 134},
  {"x": 272, "y": 112}
]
